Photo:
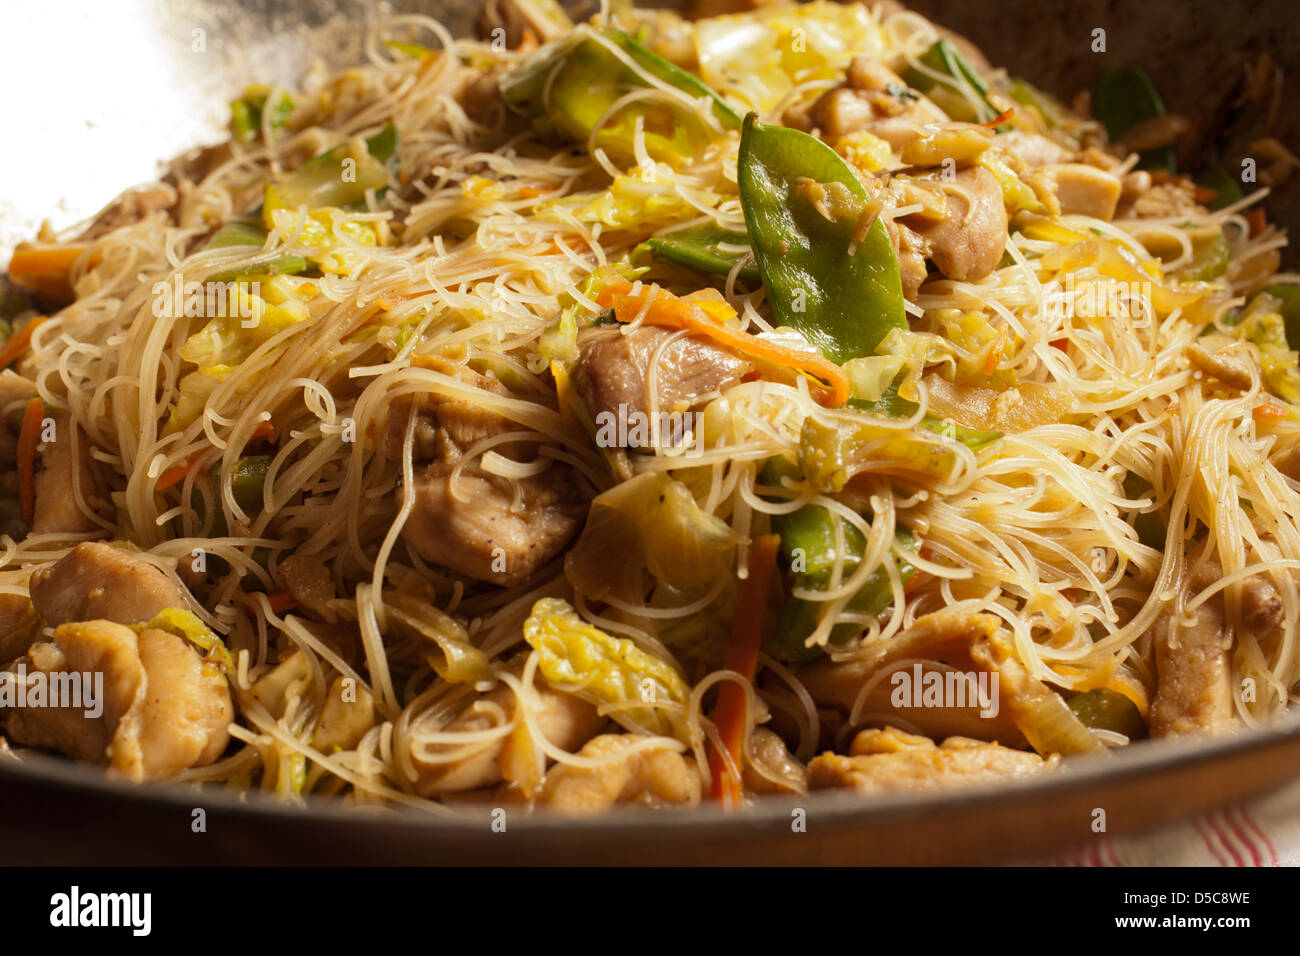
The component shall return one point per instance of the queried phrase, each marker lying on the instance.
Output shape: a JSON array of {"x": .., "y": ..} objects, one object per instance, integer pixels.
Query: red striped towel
[{"x": 1261, "y": 832}]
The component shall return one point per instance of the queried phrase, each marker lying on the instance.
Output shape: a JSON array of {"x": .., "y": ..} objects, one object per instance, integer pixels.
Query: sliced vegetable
[
  {"x": 185, "y": 624},
  {"x": 810, "y": 549},
  {"x": 18, "y": 342},
  {"x": 29, "y": 437},
  {"x": 238, "y": 232},
  {"x": 1264, "y": 325},
  {"x": 708, "y": 248},
  {"x": 46, "y": 268},
  {"x": 1210, "y": 257},
  {"x": 742, "y": 657},
  {"x": 583, "y": 660},
  {"x": 1286, "y": 303},
  {"x": 567, "y": 88},
  {"x": 835, "y": 279},
  {"x": 1225, "y": 186},
  {"x": 1106, "y": 709},
  {"x": 655, "y": 518},
  {"x": 247, "y": 112},
  {"x": 330, "y": 180},
  {"x": 958, "y": 90},
  {"x": 1123, "y": 99},
  {"x": 446, "y": 646}
]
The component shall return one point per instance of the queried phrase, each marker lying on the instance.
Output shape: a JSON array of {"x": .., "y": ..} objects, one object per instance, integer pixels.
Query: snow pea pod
[
  {"x": 957, "y": 90},
  {"x": 805, "y": 209},
  {"x": 809, "y": 551},
  {"x": 707, "y": 248},
  {"x": 1123, "y": 99}
]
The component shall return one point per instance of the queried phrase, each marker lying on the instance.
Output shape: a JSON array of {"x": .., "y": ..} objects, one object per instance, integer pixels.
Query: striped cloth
[{"x": 1262, "y": 832}]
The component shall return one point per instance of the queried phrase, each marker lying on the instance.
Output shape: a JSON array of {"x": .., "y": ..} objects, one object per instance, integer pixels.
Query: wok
[{"x": 140, "y": 81}]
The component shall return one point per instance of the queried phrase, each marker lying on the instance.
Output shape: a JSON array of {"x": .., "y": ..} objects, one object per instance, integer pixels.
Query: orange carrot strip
[
  {"x": 29, "y": 260},
  {"x": 28, "y": 437},
  {"x": 173, "y": 476},
  {"x": 17, "y": 343},
  {"x": 1000, "y": 118},
  {"x": 703, "y": 319},
  {"x": 742, "y": 657},
  {"x": 1255, "y": 219},
  {"x": 282, "y": 601}
]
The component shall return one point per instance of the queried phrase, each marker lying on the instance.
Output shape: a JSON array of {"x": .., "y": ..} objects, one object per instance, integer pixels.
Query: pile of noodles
[{"x": 1038, "y": 533}]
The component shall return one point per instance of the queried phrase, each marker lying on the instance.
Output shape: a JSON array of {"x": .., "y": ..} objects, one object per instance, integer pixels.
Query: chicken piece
[
  {"x": 613, "y": 371},
  {"x": 1010, "y": 410},
  {"x": 1032, "y": 149},
  {"x": 57, "y": 508},
  {"x": 565, "y": 721},
  {"x": 968, "y": 242},
  {"x": 1286, "y": 459},
  {"x": 945, "y": 637},
  {"x": 1165, "y": 200},
  {"x": 910, "y": 250},
  {"x": 18, "y": 624},
  {"x": 1261, "y": 606},
  {"x": 481, "y": 525},
  {"x": 344, "y": 719},
  {"x": 890, "y": 761},
  {"x": 134, "y": 205},
  {"x": 1084, "y": 190},
  {"x": 630, "y": 772},
  {"x": 872, "y": 98},
  {"x": 163, "y": 709},
  {"x": 1232, "y": 371},
  {"x": 1193, "y": 672},
  {"x": 94, "y": 581},
  {"x": 769, "y": 767}
]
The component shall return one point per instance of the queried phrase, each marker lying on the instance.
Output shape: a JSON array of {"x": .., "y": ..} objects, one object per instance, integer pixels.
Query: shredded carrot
[
  {"x": 17, "y": 343},
  {"x": 282, "y": 601},
  {"x": 742, "y": 657},
  {"x": 264, "y": 430},
  {"x": 1255, "y": 219},
  {"x": 173, "y": 476},
  {"x": 705, "y": 318},
  {"x": 1270, "y": 410},
  {"x": 47, "y": 268},
  {"x": 528, "y": 41},
  {"x": 529, "y": 192},
  {"x": 1000, "y": 118},
  {"x": 1204, "y": 194},
  {"x": 28, "y": 438}
]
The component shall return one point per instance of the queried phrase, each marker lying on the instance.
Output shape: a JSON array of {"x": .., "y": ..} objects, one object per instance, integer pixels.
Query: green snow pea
[
  {"x": 839, "y": 289},
  {"x": 707, "y": 248}
]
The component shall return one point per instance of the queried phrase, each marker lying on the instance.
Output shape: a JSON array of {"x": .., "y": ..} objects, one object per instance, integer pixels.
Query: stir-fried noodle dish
[{"x": 654, "y": 410}]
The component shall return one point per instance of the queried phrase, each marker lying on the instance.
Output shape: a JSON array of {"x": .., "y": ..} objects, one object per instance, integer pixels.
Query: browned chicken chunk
[
  {"x": 615, "y": 367},
  {"x": 95, "y": 581},
  {"x": 890, "y": 761},
  {"x": 566, "y": 721},
  {"x": 629, "y": 772},
  {"x": 162, "y": 711},
  {"x": 968, "y": 242},
  {"x": 482, "y": 525},
  {"x": 1193, "y": 673}
]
